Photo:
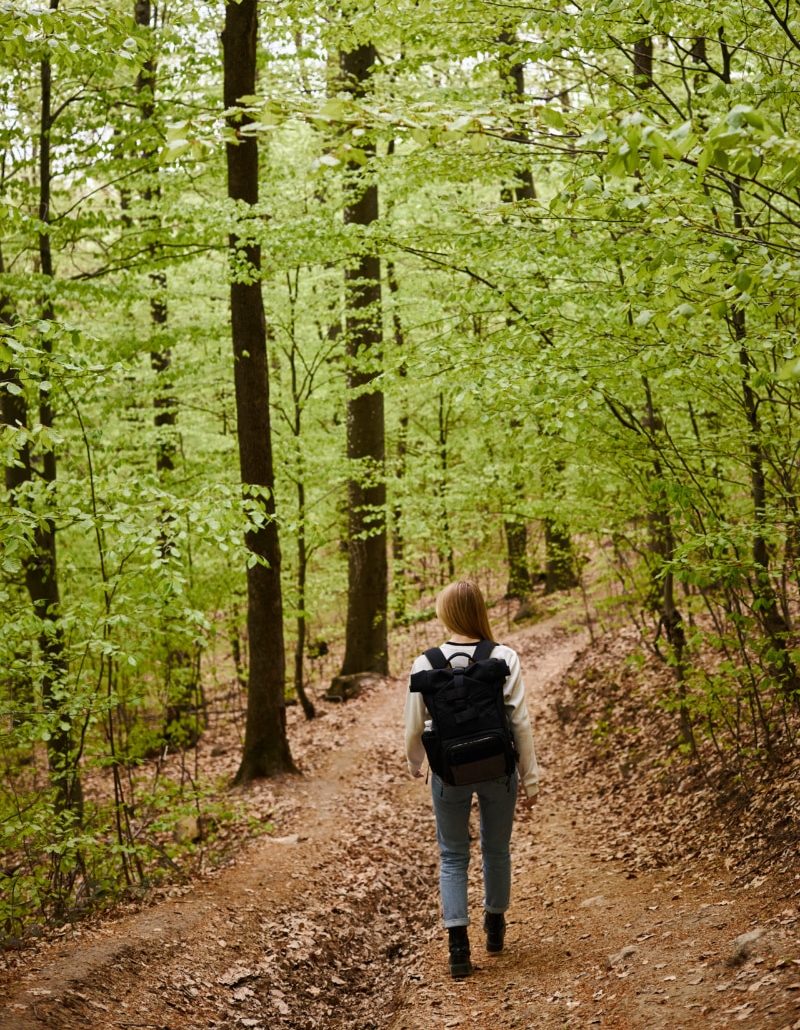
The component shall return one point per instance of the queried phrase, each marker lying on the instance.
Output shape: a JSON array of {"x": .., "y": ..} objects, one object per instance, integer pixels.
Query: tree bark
[
  {"x": 643, "y": 63},
  {"x": 399, "y": 586},
  {"x": 183, "y": 720},
  {"x": 768, "y": 610},
  {"x": 447, "y": 565},
  {"x": 662, "y": 545},
  {"x": 519, "y": 576},
  {"x": 366, "y": 645},
  {"x": 302, "y": 547},
  {"x": 559, "y": 560},
  {"x": 560, "y": 573},
  {"x": 266, "y": 748},
  {"x": 164, "y": 403},
  {"x": 41, "y": 567},
  {"x": 662, "y": 537}
]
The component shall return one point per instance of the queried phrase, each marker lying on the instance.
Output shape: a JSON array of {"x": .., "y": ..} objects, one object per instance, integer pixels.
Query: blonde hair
[{"x": 462, "y": 608}]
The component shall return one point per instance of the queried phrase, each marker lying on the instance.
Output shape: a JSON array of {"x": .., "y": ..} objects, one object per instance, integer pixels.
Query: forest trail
[{"x": 333, "y": 921}]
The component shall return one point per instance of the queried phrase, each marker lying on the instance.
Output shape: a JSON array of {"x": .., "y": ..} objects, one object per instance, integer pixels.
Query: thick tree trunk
[
  {"x": 519, "y": 576},
  {"x": 366, "y": 646},
  {"x": 266, "y": 748},
  {"x": 514, "y": 81},
  {"x": 643, "y": 63},
  {"x": 559, "y": 559}
]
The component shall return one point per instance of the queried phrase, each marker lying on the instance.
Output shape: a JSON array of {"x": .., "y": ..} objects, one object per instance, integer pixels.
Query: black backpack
[{"x": 470, "y": 739}]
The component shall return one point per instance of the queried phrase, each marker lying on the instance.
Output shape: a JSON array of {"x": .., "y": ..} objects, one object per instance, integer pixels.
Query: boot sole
[{"x": 460, "y": 969}]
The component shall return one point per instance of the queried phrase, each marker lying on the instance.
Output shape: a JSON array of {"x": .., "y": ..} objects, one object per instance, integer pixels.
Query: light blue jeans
[{"x": 451, "y": 806}]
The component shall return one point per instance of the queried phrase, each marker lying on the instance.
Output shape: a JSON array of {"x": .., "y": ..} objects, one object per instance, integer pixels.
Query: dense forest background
[{"x": 305, "y": 311}]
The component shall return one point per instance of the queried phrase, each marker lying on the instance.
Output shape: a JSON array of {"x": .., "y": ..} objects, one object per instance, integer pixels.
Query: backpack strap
[
  {"x": 436, "y": 657},
  {"x": 483, "y": 650}
]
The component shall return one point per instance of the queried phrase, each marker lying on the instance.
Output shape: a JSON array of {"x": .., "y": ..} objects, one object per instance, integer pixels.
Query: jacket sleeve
[
  {"x": 517, "y": 709},
  {"x": 415, "y": 713}
]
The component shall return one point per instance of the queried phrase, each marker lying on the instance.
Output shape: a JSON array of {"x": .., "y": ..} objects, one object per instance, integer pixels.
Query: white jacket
[{"x": 514, "y": 695}]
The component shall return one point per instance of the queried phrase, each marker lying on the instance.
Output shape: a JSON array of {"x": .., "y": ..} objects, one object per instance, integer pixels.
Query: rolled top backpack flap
[{"x": 469, "y": 737}]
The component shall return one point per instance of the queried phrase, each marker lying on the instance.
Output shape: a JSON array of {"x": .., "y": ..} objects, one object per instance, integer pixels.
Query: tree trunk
[
  {"x": 662, "y": 537},
  {"x": 559, "y": 561},
  {"x": 366, "y": 646},
  {"x": 514, "y": 82},
  {"x": 768, "y": 610},
  {"x": 560, "y": 573},
  {"x": 302, "y": 547},
  {"x": 302, "y": 569},
  {"x": 519, "y": 576},
  {"x": 41, "y": 580},
  {"x": 400, "y": 594},
  {"x": 183, "y": 720},
  {"x": 41, "y": 568},
  {"x": 662, "y": 544},
  {"x": 447, "y": 565},
  {"x": 266, "y": 748},
  {"x": 164, "y": 403},
  {"x": 643, "y": 63}
]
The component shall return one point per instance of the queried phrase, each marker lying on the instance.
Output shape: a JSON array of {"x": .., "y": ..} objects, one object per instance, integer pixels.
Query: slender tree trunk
[
  {"x": 769, "y": 613},
  {"x": 302, "y": 549},
  {"x": 662, "y": 538},
  {"x": 559, "y": 565},
  {"x": 41, "y": 569},
  {"x": 14, "y": 412},
  {"x": 366, "y": 645},
  {"x": 183, "y": 720},
  {"x": 302, "y": 570},
  {"x": 164, "y": 403},
  {"x": 523, "y": 189},
  {"x": 447, "y": 565},
  {"x": 266, "y": 748},
  {"x": 662, "y": 544},
  {"x": 400, "y": 594}
]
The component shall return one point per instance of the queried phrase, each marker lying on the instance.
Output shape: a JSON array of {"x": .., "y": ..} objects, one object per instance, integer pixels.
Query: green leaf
[{"x": 552, "y": 116}]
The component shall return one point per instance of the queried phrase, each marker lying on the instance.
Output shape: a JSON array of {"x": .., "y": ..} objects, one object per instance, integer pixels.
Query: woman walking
[{"x": 461, "y": 608}]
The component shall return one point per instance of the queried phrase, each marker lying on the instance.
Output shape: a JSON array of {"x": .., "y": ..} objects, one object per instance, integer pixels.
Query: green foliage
[{"x": 613, "y": 350}]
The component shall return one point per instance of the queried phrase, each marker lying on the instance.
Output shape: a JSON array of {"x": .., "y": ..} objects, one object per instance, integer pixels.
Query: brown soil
[{"x": 333, "y": 921}]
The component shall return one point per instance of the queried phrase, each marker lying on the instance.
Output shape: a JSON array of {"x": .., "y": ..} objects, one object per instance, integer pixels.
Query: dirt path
[
  {"x": 334, "y": 923},
  {"x": 592, "y": 944}
]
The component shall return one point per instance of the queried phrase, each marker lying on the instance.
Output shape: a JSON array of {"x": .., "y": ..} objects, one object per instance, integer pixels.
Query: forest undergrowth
[{"x": 611, "y": 704}]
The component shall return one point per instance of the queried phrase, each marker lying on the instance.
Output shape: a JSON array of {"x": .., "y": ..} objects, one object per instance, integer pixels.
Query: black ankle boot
[
  {"x": 460, "y": 964},
  {"x": 494, "y": 923}
]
